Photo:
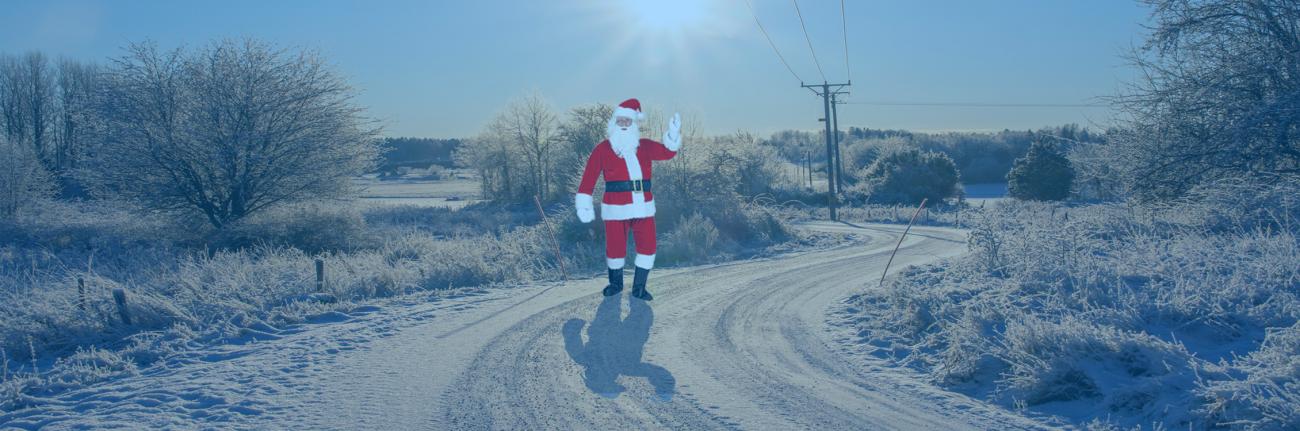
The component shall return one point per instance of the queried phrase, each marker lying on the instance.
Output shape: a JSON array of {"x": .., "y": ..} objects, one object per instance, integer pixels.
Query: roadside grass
[
  {"x": 187, "y": 285},
  {"x": 1179, "y": 315}
]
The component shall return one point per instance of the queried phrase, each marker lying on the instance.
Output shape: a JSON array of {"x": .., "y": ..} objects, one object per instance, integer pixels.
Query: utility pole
[
  {"x": 835, "y": 120},
  {"x": 807, "y": 161},
  {"x": 832, "y": 186}
]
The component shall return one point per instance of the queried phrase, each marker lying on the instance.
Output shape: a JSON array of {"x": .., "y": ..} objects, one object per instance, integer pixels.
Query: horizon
[{"x": 430, "y": 70}]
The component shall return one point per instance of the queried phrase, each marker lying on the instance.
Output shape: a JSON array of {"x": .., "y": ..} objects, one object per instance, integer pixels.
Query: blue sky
[{"x": 444, "y": 68}]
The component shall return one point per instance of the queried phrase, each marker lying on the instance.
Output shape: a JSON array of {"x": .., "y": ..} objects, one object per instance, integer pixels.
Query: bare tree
[
  {"x": 228, "y": 130},
  {"x": 12, "y": 115},
  {"x": 39, "y": 98},
  {"x": 532, "y": 127},
  {"x": 27, "y": 101},
  {"x": 490, "y": 158},
  {"x": 581, "y": 132},
  {"x": 77, "y": 83},
  {"x": 1219, "y": 96},
  {"x": 523, "y": 137}
]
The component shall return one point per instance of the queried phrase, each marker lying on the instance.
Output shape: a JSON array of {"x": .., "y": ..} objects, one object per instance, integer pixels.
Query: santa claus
[{"x": 625, "y": 159}]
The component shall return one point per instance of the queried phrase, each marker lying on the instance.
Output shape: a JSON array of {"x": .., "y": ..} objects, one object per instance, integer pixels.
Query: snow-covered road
[{"x": 744, "y": 345}]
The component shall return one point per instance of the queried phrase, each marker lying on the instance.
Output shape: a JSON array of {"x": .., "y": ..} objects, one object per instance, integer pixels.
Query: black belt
[{"x": 627, "y": 186}]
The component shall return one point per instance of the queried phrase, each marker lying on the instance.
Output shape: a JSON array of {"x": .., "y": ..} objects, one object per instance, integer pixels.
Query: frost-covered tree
[
  {"x": 228, "y": 130},
  {"x": 1219, "y": 95},
  {"x": 27, "y": 108},
  {"x": 581, "y": 131},
  {"x": 1043, "y": 174},
  {"x": 23, "y": 179},
  {"x": 77, "y": 125},
  {"x": 907, "y": 175},
  {"x": 516, "y": 154}
]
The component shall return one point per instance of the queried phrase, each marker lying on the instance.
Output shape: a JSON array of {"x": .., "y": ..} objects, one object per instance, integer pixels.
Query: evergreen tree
[
  {"x": 907, "y": 175},
  {"x": 1043, "y": 174}
]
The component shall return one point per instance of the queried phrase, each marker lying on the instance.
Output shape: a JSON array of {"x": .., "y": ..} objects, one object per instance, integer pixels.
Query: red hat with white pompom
[{"x": 630, "y": 108}]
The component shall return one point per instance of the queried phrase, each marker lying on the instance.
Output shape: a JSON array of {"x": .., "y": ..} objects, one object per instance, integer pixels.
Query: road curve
[{"x": 742, "y": 345}]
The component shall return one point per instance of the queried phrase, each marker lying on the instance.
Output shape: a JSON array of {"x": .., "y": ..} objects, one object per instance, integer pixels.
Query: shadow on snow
[{"x": 614, "y": 347}]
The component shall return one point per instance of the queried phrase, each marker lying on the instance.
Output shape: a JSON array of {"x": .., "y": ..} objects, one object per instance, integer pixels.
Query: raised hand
[{"x": 673, "y": 137}]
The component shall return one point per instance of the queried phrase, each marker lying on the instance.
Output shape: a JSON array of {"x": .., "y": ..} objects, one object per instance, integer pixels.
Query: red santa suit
[{"x": 631, "y": 205}]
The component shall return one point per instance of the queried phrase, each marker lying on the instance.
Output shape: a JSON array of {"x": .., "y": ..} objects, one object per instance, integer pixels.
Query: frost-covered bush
[
  {"x": 474, "y": 219},
  {"x": 950, "y": 215},
  {"x": 1183, "y": 314},
  {"x": 906, "y": 175},
  {"x": 312, "y": 228},
  {"x": 23, "y": 179},
  {"x": 694, "y": 240},
  {"x": 1260, "y": 391}
]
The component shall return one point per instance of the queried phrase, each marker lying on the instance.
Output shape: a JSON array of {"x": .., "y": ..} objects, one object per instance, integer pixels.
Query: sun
[
  {"x": 667, "y": 16},
  {"x": 663, "y": 38}
]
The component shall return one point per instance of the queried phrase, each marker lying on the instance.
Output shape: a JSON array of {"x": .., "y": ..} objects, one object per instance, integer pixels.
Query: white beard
[{"x": 624, "y": 141}]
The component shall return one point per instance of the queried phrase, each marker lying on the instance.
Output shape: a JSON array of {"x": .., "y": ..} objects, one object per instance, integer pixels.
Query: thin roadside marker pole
[
  {"x": 554, "y": 243},
  {"x": 900, "y": 242}
]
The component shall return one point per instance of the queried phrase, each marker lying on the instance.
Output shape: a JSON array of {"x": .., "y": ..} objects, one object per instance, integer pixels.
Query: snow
[{"x": 740, "y": 345}]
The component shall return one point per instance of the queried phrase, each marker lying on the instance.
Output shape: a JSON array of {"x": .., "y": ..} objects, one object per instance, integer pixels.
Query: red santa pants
[{"x": 643, "y": 232}]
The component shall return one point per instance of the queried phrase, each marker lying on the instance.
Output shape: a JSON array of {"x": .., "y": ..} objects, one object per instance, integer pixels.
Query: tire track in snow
[
  {"x": 748, "y": 344},
  {"x": 743, "y": 345}
]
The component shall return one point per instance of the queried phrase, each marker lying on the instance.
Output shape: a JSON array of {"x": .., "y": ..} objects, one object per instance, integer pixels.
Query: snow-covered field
[
  {"x": 984, "y": 194},
  {"x": 741, "y": 345},
  {"x": 455, "y": 192}
]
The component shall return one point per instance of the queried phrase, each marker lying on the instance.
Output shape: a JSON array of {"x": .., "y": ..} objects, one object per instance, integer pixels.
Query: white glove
[
  {"x": 673, "y": 137},
  {"x": 582, "y": 202}
]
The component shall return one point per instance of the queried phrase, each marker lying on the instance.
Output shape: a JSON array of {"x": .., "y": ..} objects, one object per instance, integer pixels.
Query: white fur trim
[
  {"x": 633, "y": 173},
  {"x": 645, "y": 261},
  {"x": 627, "y": 211},
  {"x": 582, "y": 203},
  {"x": 620, "y": 111},
  {"x": 616, "y": 263}
]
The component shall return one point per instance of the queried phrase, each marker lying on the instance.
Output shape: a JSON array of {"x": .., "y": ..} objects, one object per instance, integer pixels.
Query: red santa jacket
[{"x": 604, "y": 161}]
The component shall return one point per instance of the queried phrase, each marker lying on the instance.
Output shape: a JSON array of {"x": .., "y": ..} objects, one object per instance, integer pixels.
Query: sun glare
[
  {"x": 661, "y": 37},
  {"x": 670, "y": 16}
]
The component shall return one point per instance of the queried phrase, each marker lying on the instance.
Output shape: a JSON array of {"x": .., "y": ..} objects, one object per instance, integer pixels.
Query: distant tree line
[
  {"x": 417, "y": 153},
  {"x": 979, "y": 157}
]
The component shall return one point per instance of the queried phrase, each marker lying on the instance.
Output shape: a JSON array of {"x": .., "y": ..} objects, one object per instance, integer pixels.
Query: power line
[
  {"x": 809, "y": 39},
  {"x": 844, "y": 29},
  {"x": 984, "y": 105},
  {"x": 769, "y": 41}
]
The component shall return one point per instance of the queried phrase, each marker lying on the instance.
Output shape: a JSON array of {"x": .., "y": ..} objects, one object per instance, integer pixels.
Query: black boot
[
  {"x": 638, "y": 285},
  {"x": 615, "y": 282}
]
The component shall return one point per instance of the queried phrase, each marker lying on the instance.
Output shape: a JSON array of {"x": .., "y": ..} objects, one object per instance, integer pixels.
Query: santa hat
[{"x": 630, "y": 108}]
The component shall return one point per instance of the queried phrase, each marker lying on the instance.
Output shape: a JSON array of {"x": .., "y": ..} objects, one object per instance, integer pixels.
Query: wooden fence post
[
  {"x": 81, "y": 293},
  {"x": 119, "y": 296},
  {"x": 554, "y": 242},
  {"x": 900, "y": 242},
  {"x": 320, "y": 275}
]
